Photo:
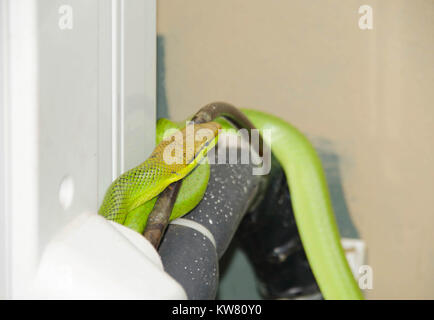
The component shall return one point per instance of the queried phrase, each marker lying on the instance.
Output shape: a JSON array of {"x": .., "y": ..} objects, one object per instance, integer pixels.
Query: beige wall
[{"x": 368, "y": 93}]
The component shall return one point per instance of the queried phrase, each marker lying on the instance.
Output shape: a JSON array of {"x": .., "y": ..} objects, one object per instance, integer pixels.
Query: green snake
[{"x": 131, "y": 197}]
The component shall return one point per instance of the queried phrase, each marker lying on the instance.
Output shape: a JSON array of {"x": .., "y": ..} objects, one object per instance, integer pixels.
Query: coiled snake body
[{"x": 131, "y": 197}]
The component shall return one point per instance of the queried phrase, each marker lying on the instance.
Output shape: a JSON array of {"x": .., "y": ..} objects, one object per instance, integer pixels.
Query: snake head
[
  {"x": 205, "y": 137},
  {"x": 172, "y": 159},
  {"x": 190, "y": 144}
]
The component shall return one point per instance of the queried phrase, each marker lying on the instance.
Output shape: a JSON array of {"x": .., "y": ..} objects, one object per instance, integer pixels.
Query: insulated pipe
[
  {"x": 193, "y": 244},
  {"x": 269, "y": 237}
]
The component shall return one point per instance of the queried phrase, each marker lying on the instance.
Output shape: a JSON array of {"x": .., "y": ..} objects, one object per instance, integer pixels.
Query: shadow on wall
[
  {"x": 162, "y": 106},
  {"x": 331, "y": 164}
]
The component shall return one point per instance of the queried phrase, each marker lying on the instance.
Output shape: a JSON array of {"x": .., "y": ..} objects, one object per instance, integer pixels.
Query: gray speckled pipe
[{"x": 190, "y": 256}]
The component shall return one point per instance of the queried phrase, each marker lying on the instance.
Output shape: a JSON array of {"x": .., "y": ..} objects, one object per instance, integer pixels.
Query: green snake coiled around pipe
[{"x": 309, "y": 195}]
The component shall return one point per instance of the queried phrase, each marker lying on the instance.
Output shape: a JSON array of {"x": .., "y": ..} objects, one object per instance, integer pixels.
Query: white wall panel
[{"x": 77, "y": 93}]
